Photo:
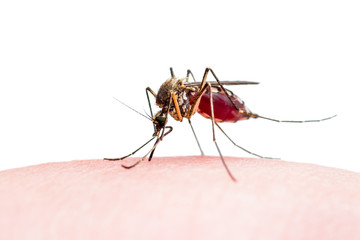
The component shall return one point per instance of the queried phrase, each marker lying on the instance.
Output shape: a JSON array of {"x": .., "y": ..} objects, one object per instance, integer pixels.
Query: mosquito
[{"x": 180, "y": 98}]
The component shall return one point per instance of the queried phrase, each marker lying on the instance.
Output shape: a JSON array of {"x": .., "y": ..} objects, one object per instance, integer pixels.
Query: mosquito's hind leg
[
  {"x": 207, "y": 70},
  {"x": 203, "y": 88},
  {"x": 257, "y": 155},
  {"x": 208, "y": 85},
  {"x": 291, "y": 121}
]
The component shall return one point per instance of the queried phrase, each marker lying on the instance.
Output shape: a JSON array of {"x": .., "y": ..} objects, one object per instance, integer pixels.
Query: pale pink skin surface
[{"x": 179, "y": 198}]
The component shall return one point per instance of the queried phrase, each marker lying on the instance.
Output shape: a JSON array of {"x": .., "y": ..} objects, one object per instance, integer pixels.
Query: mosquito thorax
[
  {"x": 164, "y": 93},
  {"x": 174, "y": 86}
]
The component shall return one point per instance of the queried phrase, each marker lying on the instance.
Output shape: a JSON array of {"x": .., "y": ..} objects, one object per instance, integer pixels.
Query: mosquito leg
[
  {"x": 195, "y": 105},
  {"x": 197, "y": 141},
  {"x": 141, "y": 159},
  {"x": 257, "y": 155},
  {"x": 203, "y": 89},
  {"x": 116, "y": 159},
  {"x": 172, "y": 72},
  {"x": 148, "y": 98},
  {"x": 169, "y": 131},
  {"x": 176, "y": 105},
  {"x": 291, "y": 121},
  {"x": 152, "y": 153},
  {"x": 196, "y": 102},
  {"x": 213, "y": 129},
  {"x": 147, "y": 90},
  {"x": 190, "y": 73},
  {"x": 255, "y": 115},
  {"x": 212, "y": 112},
  {"x": 166, "y": 118},
  {"x": 151, "y": 91},
  {"x": 163, "y": 134},
  {"x": 151, "y": 150},
  {"x": 222, "y": 87}
]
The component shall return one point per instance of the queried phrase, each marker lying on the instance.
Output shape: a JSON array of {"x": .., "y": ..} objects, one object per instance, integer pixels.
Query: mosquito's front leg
[
  {"x": 148, "y": 89},
  {"x": 142, "y": 159},
  {"x": 169, "y": 131},
  {"x": 116, "y": 159},
  {"x": 166, "y": 118}
]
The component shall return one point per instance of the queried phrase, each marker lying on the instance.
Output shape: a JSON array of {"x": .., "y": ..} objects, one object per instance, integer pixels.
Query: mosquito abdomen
[{"x": 224, "y": 110}]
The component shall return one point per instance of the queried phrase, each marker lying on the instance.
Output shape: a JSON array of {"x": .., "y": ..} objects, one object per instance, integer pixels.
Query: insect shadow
[{"x": 181, "y": 99}]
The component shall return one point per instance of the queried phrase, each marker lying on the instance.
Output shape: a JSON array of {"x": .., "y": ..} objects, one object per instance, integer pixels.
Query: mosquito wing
[{"x": 215, "y": 83}]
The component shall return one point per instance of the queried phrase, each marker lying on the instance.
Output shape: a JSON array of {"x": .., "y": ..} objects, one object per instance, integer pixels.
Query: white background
[{"x": 62, "y": 62}]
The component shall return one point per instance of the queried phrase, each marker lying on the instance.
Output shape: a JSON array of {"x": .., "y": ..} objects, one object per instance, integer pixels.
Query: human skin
[{"x": 179, "y": 198}]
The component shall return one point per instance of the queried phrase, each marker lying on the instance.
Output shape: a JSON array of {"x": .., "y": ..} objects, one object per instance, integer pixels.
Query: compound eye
[{"x": 160, "y": 120}]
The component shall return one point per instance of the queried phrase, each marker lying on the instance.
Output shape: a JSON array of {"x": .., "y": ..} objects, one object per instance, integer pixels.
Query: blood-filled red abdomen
[{"x": 224, "y": 110}]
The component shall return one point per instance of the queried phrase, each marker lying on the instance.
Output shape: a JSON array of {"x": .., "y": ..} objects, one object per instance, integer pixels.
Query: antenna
[{"x": 133, "y": 109}]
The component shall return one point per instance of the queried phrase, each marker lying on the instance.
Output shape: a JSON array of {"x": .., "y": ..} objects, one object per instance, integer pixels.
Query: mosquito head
[{"x": 159, "y": 121}]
